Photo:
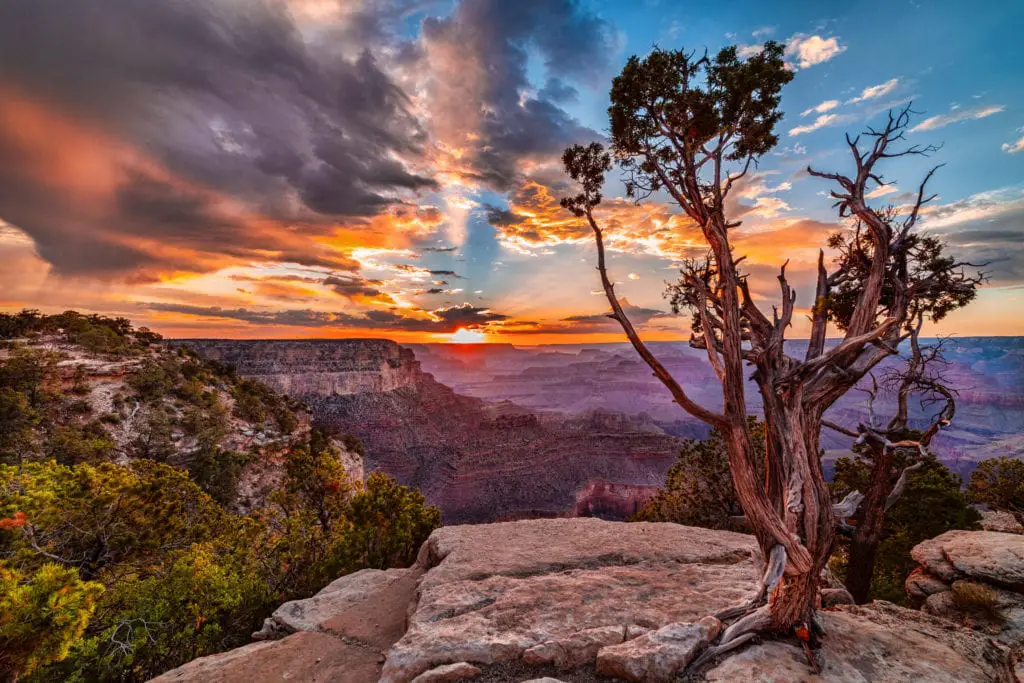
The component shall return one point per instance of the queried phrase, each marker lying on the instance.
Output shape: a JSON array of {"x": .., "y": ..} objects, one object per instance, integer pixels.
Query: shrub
[
  {"x": 698, "y": 490},
  {"x": 998, "y": 483},
  {"x": 977, "y": 598},
  {"x": 42, "y": 616},
  {"x": 75, "y": 444}
]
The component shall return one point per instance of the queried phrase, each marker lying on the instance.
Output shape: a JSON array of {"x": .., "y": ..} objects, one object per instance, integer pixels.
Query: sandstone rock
[
  {"x": 448, "y": 672},
  {"x": 877, "y": 643},
  {"x": 554, "y": 587},
  {"x": 831, "y": 597},
  {"x": 1001, "y": 521},
  {"x": 987, "y": 556},
  {"x": 659, "y": 655},
  {"x": 920, "y": 584},
  {"x": 577, "y": 649},
  {"x": 306, "y": 657},
  {"x": 367, "y": 605}
]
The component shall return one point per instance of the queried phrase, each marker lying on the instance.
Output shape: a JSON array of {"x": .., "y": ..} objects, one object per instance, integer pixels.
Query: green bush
[
  {"x": 932, "y": 503},
  {"x": 698, "y": 490},
  {"x": 998, "y": 483},
  {"x": 42, "y": 615}
]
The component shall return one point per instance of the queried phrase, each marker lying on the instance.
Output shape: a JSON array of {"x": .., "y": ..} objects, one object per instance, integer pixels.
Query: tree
[
  {"x": 41, "y": 617},
  {"x": 692, "y": 127},
  {"x": 698, "y": 489},
  {"x": 893, "y": 450},
  {"x": 998, "y": 483},
  {"x": 932, "y": 503}
]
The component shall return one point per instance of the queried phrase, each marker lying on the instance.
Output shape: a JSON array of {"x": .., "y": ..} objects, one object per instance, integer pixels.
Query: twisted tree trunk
[{"x": 868, "y": 534}]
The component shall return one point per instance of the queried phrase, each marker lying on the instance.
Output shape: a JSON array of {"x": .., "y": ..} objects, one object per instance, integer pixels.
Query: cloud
[
  {"x": 823, "y": 121},
  {"x": 957, "y": 115},
  {"x": 763, "y": 31},
  {"x": 439, "y": 321},
  {"x": 217, "y": 132},
  {"x": 1014, "y": 147},
  {"x": 600, "y": 322},
  {"x": 472, "y": 68},
  {"x": 358, "y": 289},
  {"x": 984, "y": 228},
  {"x": 827, "y": 105},
  {"x": 876, "y": 91},
  {"x": 633, "y": 276},
  {"x": 882, "y": 190},
  {"x": 810, "y": 50}
]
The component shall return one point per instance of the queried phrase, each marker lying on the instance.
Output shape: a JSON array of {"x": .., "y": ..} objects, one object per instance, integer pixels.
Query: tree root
[{"x": 753, "y": 618}]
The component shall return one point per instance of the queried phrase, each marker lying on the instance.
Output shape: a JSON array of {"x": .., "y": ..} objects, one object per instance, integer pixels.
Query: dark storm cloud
[
  {"x": 601, "y": 321},
  {"x": 496, "y": 35},
  {"x": 447, "y": 319},
  {"x": 225, "y": 95},
  {"x": 353, "y": 286}
]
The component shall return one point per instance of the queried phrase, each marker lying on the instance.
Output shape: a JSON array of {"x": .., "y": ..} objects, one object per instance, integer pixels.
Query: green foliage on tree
[
  {"x": 998, "y": 483},
  {"x": 931, "y": 504},
  {"x": 389, "y": 523},
  {"x": 698, "y": 490},
  {"x": 42, "y": 615}
]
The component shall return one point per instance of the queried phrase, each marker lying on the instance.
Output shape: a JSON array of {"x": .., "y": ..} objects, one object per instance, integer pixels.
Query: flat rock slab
[
  {"x": 368, "y": 606},
  {"x": 877, "y": 643},
  {"x": 552, "y": 587},
  {"x": 987, "y": 556},
  {"x": 307, "y": 656}
]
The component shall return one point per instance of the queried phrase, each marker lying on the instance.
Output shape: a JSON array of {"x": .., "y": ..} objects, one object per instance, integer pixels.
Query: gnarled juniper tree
[
  {"x": 935, "y": 284},
  {"x": 691, "y": 128}
]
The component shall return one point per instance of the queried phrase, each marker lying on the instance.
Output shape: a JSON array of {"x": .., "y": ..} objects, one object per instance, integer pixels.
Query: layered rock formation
[
  {"x": 974, "y": 578},
  {"x": 317, "y": 367},
  {"x": 477, "y": 461},
  {"x": 579, "y": 600}
]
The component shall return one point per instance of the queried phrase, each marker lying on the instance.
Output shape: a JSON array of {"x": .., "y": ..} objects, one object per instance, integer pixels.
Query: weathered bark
[{"x": 868, "y": 533}]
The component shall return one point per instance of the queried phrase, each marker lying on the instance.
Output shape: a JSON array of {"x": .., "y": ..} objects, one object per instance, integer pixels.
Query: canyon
[
  {"x": 476, "y": 460},
  {"x": 493, "y": 432}
]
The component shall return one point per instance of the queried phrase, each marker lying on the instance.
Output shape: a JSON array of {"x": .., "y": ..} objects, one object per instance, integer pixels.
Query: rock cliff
[
  {"x": 317, "y": 367},
  {"x": 578, "y": 600},
  {"x": 477, "y": 461}
]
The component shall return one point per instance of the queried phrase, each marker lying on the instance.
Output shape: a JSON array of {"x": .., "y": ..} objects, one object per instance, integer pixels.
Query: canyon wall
[
  {"x": 317, "y": 367},
  {"x": 477, "y": 460}
]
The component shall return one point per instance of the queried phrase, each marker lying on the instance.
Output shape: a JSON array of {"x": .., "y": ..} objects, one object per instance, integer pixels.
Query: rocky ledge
[
  {"x": 974, "y": 578},
  {"x": 577, "y": 600}
]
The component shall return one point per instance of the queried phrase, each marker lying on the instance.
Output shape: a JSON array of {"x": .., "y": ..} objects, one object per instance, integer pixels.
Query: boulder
[
  {"x": 920, "y": 584},
  {"x": 1001, "y": 521},
  {"x": 830, "y": 597},
  {"x": 987, "y": 556},
  {"x": 659, "y": 655},
  {"x": 560, "y": 589},
  {"x": 448, "y": 672},
  {"x": 876, "y": 643},
  {"x": 367, "y": 605}
]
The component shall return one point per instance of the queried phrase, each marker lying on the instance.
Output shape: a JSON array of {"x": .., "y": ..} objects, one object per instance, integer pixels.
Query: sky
[{"x": 391, "y": 168}]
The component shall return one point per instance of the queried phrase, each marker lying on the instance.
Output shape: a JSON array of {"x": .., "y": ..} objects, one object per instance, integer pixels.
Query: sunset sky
[{"x": 390, "y": 168}]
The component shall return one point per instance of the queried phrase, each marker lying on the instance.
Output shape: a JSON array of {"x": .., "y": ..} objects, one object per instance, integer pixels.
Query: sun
[{"x": 464, "y": 336}]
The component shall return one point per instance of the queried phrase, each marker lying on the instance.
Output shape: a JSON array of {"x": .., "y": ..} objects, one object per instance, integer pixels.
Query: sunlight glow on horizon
[{"x": 464, "y": 336}]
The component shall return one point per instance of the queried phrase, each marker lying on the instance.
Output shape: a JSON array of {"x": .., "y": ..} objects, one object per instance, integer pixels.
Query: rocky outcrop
[
  {"x": 575, "y": 600},
  {"x": 974, "y": 578},
  {"x": 317, "y": 367},
  {"x": 1000, "y": 520},
  {"x": 558, "y": 591}
]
